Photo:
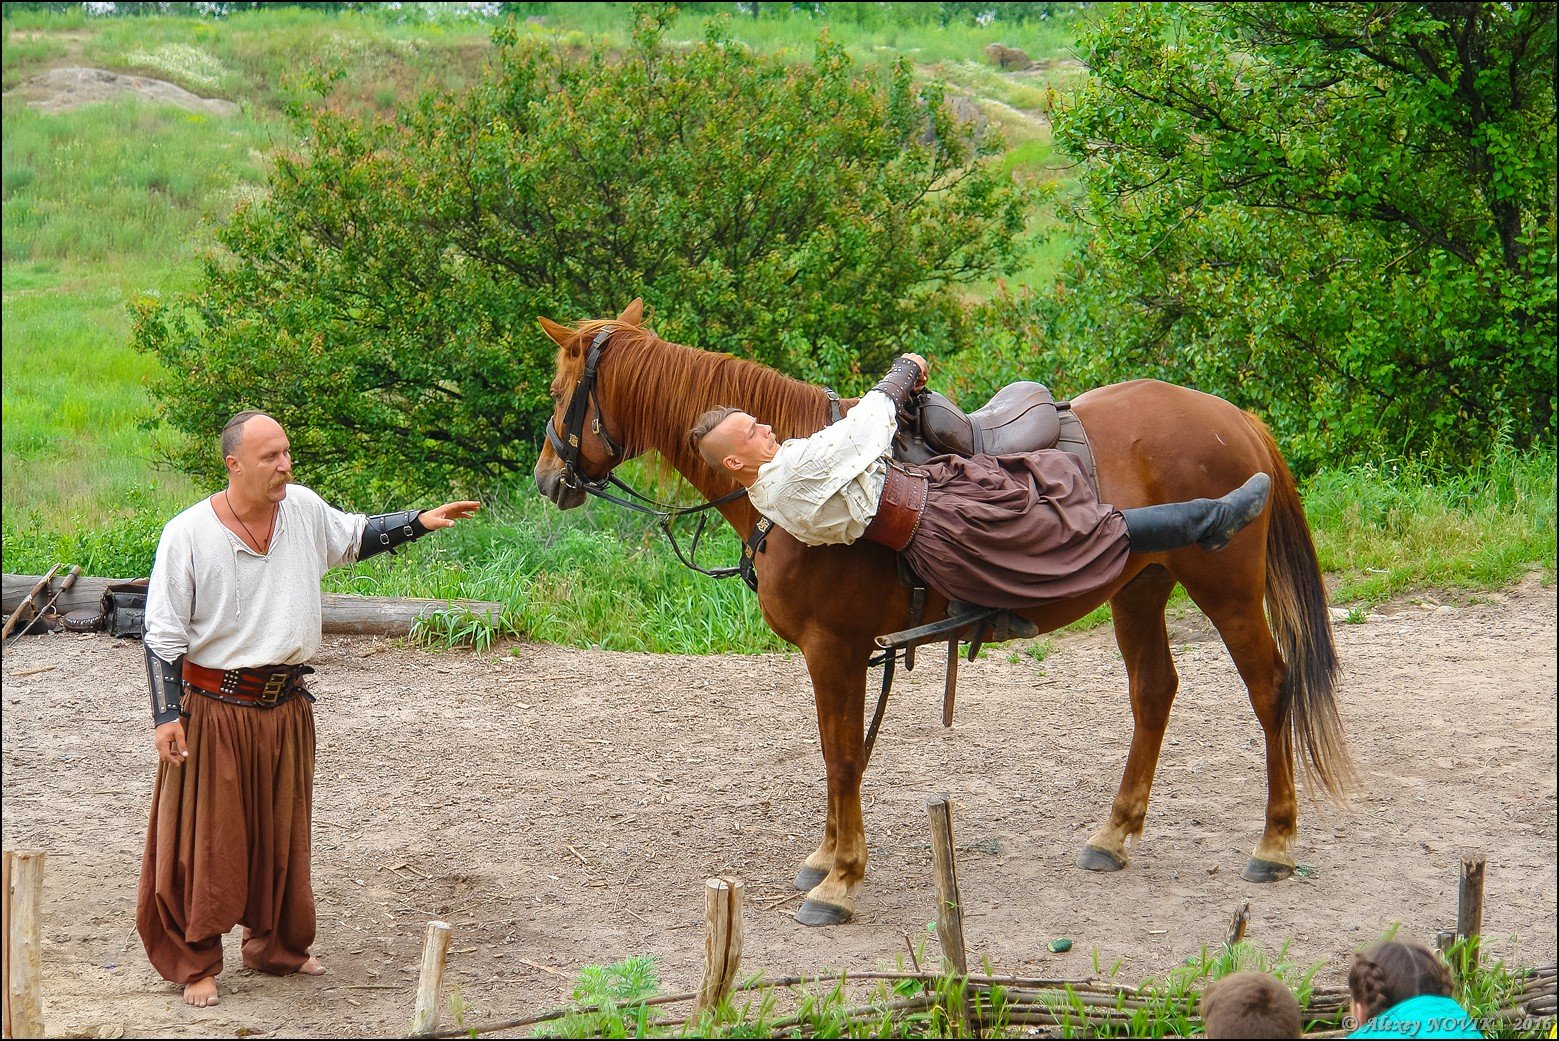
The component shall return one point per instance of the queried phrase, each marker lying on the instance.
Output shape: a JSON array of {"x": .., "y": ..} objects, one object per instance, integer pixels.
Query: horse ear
[
  {"x": 633, "y": 314},
  {"x": 561, "y": 335}
]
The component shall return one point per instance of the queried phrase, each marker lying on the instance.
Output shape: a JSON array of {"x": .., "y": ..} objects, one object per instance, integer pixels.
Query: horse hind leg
[
  {"x": 1241, "y": 622},
  {"x": 1138, "y": 611}
]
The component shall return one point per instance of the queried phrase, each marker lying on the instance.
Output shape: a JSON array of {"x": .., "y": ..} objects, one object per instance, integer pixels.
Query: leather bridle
[{"x": 567, "y": 446}]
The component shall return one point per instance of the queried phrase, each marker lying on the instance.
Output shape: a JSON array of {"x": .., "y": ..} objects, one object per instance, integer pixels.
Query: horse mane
[{"x": 673, "y": 385}]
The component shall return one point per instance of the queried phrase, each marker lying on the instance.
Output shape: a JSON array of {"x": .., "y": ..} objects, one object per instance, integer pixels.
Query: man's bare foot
[
  {"x": 312, "y": 967},
  {"x": 202, "y": 993}
]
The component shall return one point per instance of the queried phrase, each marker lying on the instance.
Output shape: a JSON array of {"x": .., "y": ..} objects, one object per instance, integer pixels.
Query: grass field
[{"x": 108, "y": 203}]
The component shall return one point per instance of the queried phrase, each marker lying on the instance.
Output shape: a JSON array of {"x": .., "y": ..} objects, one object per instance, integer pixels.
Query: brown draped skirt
[
  {"x": 229, "y": 842},
  {"x": 1016, "y": 531}
]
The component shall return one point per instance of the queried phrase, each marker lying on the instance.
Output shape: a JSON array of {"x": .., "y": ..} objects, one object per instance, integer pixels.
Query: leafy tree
[
  {"x": 382, "y": 301},
  {"x": 1339, "y": 214}
]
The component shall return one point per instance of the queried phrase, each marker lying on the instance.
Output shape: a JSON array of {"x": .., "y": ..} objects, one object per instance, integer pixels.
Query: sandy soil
[{"x": 563, "y": 807}]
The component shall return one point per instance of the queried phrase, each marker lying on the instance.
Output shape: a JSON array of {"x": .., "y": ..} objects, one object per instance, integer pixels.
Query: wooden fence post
[
  {"x": 1237, "y": 925},
  {"x": 722, "y": 940},
  {"x": 435, "y": 948},
  {"x": 23, "y": 931},
  {"x": 949, "y": 912},
  {"x": 1469, "y": 904},
  {"x": 5, "y": 939}
]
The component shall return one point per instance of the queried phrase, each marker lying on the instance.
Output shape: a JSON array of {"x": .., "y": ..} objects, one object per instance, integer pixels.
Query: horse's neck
[{"x": 670, "y": 407}]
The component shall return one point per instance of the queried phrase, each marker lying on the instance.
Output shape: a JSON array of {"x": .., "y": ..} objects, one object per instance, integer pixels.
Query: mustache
[{"x": 285, "y": 479}]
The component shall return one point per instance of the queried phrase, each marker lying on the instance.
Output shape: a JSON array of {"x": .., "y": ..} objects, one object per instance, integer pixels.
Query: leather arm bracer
[
  {"x": 900, "y": 381},
  {"x": 166, "y": 680},
  {"x": 388, "y": 530}
]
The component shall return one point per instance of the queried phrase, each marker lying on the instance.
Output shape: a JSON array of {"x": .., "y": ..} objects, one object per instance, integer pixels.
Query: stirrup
[
  {"x": 985, "y": 625},
  {"x": 999, "y": 627}
]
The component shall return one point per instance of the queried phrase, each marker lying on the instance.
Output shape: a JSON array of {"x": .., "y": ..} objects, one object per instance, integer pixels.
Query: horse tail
[{"x": 1302, "y": 627}]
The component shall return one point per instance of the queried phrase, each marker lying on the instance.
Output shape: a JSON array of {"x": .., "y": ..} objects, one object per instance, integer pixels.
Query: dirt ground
[{"x": 563, "y": 807}]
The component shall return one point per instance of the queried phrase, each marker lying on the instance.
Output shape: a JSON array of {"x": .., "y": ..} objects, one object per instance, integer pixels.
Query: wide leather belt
[
  {"x": 898, "y": 511},
  {"x": 264, "y": 687}
]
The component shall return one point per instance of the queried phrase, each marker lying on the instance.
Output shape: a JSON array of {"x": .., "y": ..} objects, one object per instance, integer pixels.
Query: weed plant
[{"x": 610, "y": 1001}]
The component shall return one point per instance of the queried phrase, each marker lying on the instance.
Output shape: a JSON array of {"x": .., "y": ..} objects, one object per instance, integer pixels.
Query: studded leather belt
[
  {"x": 265, "y": 687},
  {"x": 899, "y": 509}
]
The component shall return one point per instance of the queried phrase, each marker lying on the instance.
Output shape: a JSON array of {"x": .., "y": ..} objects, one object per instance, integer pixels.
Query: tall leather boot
[{"x": 1208, "y": 523}]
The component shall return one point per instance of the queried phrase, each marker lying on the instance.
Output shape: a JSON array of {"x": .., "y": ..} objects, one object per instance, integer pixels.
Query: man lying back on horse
[{"x": 1009, "y": 532}]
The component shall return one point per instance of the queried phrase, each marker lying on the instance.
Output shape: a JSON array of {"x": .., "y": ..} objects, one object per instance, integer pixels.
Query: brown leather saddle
[{"x": 1021, "y": 417}]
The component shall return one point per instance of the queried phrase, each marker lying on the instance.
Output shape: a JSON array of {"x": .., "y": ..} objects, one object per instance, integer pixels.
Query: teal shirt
[{"x": 1424, "y": 1016}]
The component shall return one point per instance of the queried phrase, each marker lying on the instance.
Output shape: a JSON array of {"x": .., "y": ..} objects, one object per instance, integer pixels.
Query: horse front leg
[
  {"x": 1138, "y": 611},
  {"x": 835, "y": 870}
]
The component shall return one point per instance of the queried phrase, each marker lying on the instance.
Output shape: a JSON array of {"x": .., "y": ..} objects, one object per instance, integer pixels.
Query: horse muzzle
[{"x": 550, "y": 482}]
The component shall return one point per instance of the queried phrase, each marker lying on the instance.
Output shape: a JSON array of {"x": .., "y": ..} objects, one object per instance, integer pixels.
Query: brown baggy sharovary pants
[{"x": 228, "y": 842}]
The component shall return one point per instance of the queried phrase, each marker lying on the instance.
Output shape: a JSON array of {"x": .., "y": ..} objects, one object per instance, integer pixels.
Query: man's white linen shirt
[
  {"x": 226, "y": 606},
  {"x": 824, "y": 489}
]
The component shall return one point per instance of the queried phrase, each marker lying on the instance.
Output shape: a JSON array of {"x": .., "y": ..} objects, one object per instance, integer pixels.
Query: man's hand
[
  {"x": 170, "y": 742},
  {"x": 446, "y": 515},
  {"x": 925, "y": 370}
]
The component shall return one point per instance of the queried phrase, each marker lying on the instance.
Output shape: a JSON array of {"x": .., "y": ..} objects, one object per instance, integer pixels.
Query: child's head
[
  {"x": 1392, "y": 972},
  {"x": 1250, "y": 1004}
]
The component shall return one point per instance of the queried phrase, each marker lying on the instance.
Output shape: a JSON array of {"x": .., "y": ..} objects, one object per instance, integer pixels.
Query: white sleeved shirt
[
  {"x": 228, "y": 607},
  {"x": 824, "y": 489}
]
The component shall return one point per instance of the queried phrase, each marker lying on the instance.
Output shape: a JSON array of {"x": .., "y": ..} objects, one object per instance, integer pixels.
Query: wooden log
[
  {"x": 1469, "y": 904},
  {"x": 343, "y": 614},
  {"x": 722, "y": 940},
  {"x": 48, "y": 609},
  {"x": 30, "y": 599},
  {"x": 949, "y": 912},
  {"x": 23, "y": 934},
  {"x": 435, "y": 948}
]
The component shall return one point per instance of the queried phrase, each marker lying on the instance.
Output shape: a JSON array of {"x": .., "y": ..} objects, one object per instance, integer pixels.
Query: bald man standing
[{"x": 233, "y": 612}]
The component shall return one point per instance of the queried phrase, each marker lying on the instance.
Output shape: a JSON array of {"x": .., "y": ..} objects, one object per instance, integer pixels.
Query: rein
[{"x": 567, "y": 447}]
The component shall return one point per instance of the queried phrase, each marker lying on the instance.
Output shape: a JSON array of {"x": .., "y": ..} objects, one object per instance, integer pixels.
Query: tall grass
[
  {"x": 125, "y": 185},
  {"x": 255, "y": 57},
  {"x": 109, "y": 202},
  {"x": 587, "y": 578},
  {"x": 1385, "y": 528},
  {"x": 870, "y": 32},
  {"x": 103, "y": 204},
  {"x": 77, "y": 456},
  {"x": 599, "y": 577}
]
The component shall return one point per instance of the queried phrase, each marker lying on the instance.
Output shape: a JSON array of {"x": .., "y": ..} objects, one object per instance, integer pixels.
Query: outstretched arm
[{"x": 388, "y": 530}]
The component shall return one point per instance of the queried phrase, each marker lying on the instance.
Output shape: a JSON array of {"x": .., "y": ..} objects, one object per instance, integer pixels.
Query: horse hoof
[
  {"x": 1259, "y": 870},
  {"x": 815, "y": 912},
  {"x": 1092, "y": 858},
  {"x": 808, "y": 877}
]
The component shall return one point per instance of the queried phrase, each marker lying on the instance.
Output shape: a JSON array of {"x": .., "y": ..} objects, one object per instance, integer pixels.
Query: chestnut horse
[{"x": 1153, "y": 442}]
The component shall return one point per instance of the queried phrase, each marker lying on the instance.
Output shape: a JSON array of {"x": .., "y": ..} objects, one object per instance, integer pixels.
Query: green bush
[{"x": 381, "y": 302}]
